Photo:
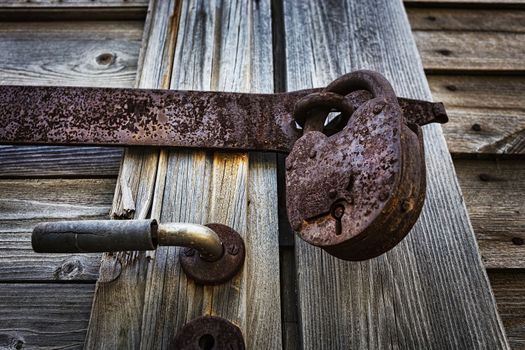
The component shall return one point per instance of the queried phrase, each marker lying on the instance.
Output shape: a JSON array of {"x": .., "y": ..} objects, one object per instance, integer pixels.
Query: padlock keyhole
[{"x": 206, "y": 342}]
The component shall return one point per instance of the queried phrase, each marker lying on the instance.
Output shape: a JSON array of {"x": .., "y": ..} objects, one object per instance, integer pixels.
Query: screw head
[
  {"x": 233, "y": 249},
  {"x": 378, "y": 107},
  {"x": 476, "y": 127}
]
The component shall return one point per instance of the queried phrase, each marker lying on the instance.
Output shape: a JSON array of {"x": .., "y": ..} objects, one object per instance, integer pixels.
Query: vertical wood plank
[
  {"x": 116, "y": 316},
  {"x": 431, "y": 291},
  {"x": 221, "y": 47},
  {"x": 216, "y": 46}
]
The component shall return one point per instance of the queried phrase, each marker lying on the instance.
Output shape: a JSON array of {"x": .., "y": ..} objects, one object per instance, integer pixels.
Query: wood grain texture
[
  {"x": 29, "y": 53},
  {"x": 509, "y": 288},
  {"x": 44, "y": 316},
  {"x": 487, "y": 114},
  {"x": 493, "y": 3},
  {"x": 442, "y": 19},
  {"x": 471, "y": 51},
  {"x": 493, "y": 192},
  {"x": 58, "y": 161},
  {"x": 25, "y": 203},
  {"x": 431, "y": 291},
  {"x": 221, "y": 47},
  {"x": 71, "y": 3}
]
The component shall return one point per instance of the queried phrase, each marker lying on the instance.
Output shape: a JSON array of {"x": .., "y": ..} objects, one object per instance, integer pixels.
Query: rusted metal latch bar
[{"x": 355, "y": 176}]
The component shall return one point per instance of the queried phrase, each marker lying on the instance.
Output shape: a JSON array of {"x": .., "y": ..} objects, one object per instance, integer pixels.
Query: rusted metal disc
[
  {"x": 209, "y": 332},
  {"x": 222, "y": 270}
]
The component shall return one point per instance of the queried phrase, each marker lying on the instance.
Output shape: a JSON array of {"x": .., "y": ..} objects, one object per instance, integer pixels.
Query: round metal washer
[
  {"x": 222, "y": 270},
  {"x": 209, "y": 332}
]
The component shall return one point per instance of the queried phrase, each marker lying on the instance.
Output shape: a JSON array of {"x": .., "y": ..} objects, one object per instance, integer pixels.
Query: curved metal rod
[
  {"x": 91, "y": 236},
  {"x": 199, "y": 237}
]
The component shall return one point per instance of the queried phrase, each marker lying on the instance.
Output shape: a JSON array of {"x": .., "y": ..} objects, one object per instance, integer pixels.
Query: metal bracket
[{"x": 355, "y": 181}]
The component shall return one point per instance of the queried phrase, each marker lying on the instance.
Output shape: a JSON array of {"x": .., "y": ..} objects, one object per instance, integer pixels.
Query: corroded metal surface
[
  {"x": 137, "y": 117},
  {"x": 209, "y": 332},
  {"x": 357, "y": 192},
  {"x": 215, "y": 272},
  {"x": 133, "y": 117}
]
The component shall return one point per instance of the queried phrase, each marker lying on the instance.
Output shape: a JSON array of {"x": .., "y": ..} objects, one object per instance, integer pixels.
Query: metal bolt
[
  {"x": 476, "y": 127},
  {"x": 313, "y": 153},
  {"x": 233, "y": 249},
  {"x": 189, "y": 252},
  {"x": 378, "y": 107},
  {"x": 406, "y": 205},
  {"x": 332, "y": 193},
  {"x": 383, "y": 196}
]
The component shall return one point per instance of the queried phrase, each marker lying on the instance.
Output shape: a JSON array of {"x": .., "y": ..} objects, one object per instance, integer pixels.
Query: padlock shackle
[
  {"x": 92, "y": 236},
  {"x": 367, "y": 80}
]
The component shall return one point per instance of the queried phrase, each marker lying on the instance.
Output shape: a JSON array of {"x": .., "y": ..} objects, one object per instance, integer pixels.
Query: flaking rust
[
  {"x": 355, "y": 182},
  {"x": 358, "y": 191}
]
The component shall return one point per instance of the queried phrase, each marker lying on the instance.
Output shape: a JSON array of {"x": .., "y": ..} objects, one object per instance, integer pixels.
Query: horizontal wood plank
[
  {"x": 58, "y": 161},
  {"x": 101, "y": 53},
  {"x": 509, "y": 288},
  {"x": 494, "y": 195},
  {"x": 487, "y": 114},
  {"x": 24, "y": 203},
  {"x": 486, "y": 20},
  {"x": 44, "y": 316},
  {"x": 71, "y": 3},
  {"x": 454, "y": 51}
]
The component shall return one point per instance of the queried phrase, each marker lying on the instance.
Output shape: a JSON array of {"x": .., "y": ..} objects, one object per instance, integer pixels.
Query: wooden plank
[
  {"x": 230, "y": 50},
  {"x": 58, "y": 161},
  {"x": 431, "y": 291},
  {"x": 441, "y": 19},
  {"x": 25, "y": 203},
  {"x": 509, "y": 288},
  {"x": 493, "y": 191},
  {"x": 454, "y": 51},
  {"x": 487, "y": 115},
  {"x": 72, "y": 3},
  {"x": 44, "y": 316},
  {"x": 91, "y": 53},
  {"x": 493, "y": 3}
]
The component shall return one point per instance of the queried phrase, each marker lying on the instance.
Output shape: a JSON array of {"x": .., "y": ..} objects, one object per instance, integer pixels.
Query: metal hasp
[
  {"x": 357, "y": 191},
  {"x": 355, "y": 182},
  {"x": 207, "y": 257},
  {"x": 207, "y": 333}
]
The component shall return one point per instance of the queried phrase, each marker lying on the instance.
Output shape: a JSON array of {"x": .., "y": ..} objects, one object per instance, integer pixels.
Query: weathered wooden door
[{"x": 430, "y": 292}]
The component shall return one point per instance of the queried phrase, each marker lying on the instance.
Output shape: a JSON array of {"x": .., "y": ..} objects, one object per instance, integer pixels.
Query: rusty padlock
[{"x": 356, "y": 192}]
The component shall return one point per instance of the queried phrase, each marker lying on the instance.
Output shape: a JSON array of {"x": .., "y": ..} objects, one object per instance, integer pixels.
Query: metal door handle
[{"x": 221, "y": 249}]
